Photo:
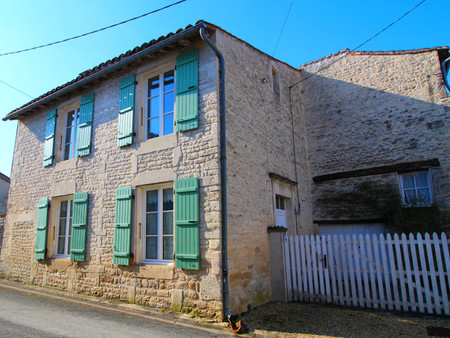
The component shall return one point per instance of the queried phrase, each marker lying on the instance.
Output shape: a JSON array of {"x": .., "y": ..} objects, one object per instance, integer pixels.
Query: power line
[
  {"x": 94, "y": 31},
  {"x": 359, "y": 46},
  {"x": 282, "y": 29},
  {"x": 16, "y": 89}
]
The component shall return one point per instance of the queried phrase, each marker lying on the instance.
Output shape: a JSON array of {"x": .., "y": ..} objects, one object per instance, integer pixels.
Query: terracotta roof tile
[{"x": 102, "y": 66}]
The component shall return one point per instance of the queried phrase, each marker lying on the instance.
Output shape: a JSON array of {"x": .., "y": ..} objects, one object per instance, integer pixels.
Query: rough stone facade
[
  {"x": 372, "y": 110},
  {"x": 260, "y": 127},
  {"x": 179, "y": 155}
]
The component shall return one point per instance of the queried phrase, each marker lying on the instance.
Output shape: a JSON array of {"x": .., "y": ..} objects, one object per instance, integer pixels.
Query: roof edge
[
  {"x": 74, "y": 84},
  {"x": 246, "y": 43},
  {"x": 5, "y": 178},
  {"x": 385, "y": 53}
]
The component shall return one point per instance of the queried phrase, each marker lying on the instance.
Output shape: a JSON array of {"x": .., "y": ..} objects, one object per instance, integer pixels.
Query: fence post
[{"x": 277, "y": 263}]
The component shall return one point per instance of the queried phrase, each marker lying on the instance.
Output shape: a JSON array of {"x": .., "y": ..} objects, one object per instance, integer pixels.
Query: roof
[
  {"x": 390, "y": 52},
  {"x": 88, "y": 76},
  {"x": 4, "y": 177}
]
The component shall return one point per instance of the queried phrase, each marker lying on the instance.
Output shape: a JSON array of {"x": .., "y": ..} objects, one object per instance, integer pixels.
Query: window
[
  {"x": 160, "y": 105},
  {"x": 416, "y": 189},
  {"x": 280, "y": 208},
  {"x": 275, "y": 81},
  {"x": 64, "y": 228},
  {"x": 70, "y": 138},
  {"x": 158, "y": 227}
]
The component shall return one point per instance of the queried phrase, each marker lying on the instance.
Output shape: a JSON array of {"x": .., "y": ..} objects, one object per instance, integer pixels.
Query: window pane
[
  {"x": 152, "y": 200},
  {"x": 168, "y": 199},
  {"x": 153, "y": 86},
  {"x": 169, "y": 81},
  {"x": 151, "y": 248},
  {"x": 168, "y": 223},
  {"x": 153, "y": 128},
  {"x": 151, "y": 224},
  {"x": 422, "y": 180},
  {"x": 63, "y": 210},
  {"x": 410, "y": 196},
  {"x": 424, "y": 196},
  {"x": 62, "y": 227},
  {"x": 68, "y": 246},
  {"x": 61, "y": 241},
  {"x": 153, "y": 107},
  {"x": 408, "y": 182},
  {"x": 168, "y": 102},
  {"x": 168, "y": 124},
  {"x": 168, "y": 247}
]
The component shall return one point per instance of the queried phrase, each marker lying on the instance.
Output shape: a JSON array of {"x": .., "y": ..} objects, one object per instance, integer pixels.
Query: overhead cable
[
  {"x": 94, "y": 31},
  {"x": 359, "y": 46},
  {"x": 16, "y": 89}
]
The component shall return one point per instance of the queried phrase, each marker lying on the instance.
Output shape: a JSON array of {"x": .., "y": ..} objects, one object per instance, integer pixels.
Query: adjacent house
[
  {"x": 153, "y": 177},
  {"x": 4, "y": 188},
  {"x": 378, "y": 140}
]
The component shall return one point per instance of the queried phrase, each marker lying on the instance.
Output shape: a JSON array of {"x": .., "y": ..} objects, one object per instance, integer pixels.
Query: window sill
[
  {"x": 58, "y": 264},
  {"x": 66, "y": 165},
  {"x": 152, "y": 270},
  {"x": 158, "y": 143}
]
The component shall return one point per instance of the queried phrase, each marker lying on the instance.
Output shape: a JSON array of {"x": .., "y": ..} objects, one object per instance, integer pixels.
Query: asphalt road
[{"x": 27, "y": 315}]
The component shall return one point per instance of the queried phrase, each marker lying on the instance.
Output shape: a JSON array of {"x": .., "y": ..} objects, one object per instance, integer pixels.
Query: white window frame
[
  {"x": 280, "y": 210},
  {"x": 160, "y": 188},
  {"x": 402, "y": 188},
  {"x": 68, "y": 234},
  {"x": 275, "y": 81},
  {"x": 73, "y": 135},
  {"x": 161, "y": 104}
]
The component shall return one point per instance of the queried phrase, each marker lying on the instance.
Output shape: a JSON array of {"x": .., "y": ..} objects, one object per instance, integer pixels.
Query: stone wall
[
  {"x": 259, "y": 143},
  {"x": 367, "y": 111},
  {"x": 189, "y": 154}
]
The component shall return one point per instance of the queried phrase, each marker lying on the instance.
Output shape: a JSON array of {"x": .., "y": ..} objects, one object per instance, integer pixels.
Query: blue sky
[{"x": 314, "y": 29}]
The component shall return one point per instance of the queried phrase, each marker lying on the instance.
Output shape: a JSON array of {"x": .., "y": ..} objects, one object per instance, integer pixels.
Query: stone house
[
  {"x": 4, "y": 188},
  {"x": 118, "y": 178},
  {"x": 154, "y": 177}
]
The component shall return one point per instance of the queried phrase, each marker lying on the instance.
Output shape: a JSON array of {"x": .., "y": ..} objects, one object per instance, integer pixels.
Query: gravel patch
[{"x": 312, "y": 320}]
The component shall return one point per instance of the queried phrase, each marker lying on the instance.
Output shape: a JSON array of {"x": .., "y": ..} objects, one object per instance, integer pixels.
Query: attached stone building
[
  {"x": 377, "y": 119},
  {"x": 124, "y": 186}
]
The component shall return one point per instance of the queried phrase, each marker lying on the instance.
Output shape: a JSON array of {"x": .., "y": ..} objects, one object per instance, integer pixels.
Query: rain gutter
[
  {"x": 168, "y": 41},
  {"x": 223, "y": 171}
]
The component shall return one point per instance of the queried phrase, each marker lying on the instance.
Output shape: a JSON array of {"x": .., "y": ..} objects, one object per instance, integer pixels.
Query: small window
[
  {"x": 416, "y": 189},
  {"x": 64, "y": 228},
  {"x": 160, "y": 106},
  {"x": 158, "y": 227},
  {"x": 275, "y": 81},
  {"x": 70, "y": 138},
  {"x": 280, "y": 209}
]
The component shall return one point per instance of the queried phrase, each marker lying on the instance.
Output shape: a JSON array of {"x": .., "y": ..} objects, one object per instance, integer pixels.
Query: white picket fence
[{"x": 400, "y": 273}]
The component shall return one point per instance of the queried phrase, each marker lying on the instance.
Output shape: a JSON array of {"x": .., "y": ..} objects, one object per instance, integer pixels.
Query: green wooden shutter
[
  {"x": 49, "y": 137},
  {"x": 79, "y": 225},
  {"x": 126, "y": 111},
  {"x": 187, "y": 252},
  {"x": 187, "y": 91},
  {"x": 122, "y": 230},
  {"x": 85, "y": 125},
  {"x": 41, "y": 233}
]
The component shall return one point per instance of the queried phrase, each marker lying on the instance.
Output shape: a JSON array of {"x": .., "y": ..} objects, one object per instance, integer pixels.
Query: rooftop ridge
[{"x": 389, "y": 52}]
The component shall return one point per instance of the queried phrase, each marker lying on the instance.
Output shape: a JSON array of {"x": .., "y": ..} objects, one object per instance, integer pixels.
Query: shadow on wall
[{"x": 360, "y": 135}]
